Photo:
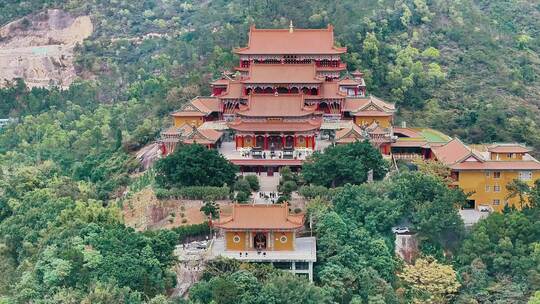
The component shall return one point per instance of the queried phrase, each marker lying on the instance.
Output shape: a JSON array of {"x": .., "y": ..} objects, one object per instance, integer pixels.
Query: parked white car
[
  {"x": 484, "y": 208},
  {"x": 400, "y": 230}
]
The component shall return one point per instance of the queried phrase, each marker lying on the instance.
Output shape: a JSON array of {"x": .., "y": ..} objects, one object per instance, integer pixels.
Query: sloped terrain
[{"x": 39, "y": 48}]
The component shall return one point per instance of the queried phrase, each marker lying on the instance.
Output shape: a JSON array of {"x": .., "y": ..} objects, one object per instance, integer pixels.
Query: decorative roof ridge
[{"x": 329, "y": 28}]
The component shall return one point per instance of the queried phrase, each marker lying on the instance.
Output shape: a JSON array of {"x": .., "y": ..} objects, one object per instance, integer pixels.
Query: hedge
[
  {"x": 185, "y": 232},
  {"x": 195, "y": 193},
  {"x": 312, "y": 191}
]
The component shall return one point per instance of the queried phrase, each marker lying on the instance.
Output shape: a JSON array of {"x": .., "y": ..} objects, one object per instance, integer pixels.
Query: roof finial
[{"x": 291, "y": 27}]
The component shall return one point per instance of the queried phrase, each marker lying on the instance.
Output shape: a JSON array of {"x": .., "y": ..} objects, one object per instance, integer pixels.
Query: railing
[{"x": 406, "y": 156}]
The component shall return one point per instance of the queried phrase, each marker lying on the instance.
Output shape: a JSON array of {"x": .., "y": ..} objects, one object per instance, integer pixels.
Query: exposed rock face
[{"x": 39, "y": 48}]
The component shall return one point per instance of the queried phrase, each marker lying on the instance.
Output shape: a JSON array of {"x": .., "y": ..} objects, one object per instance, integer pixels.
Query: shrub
[
  {"x": 313, "y": 191},
  {"x": 184, "y": 221},
  {"x": 242, "y": 185},
  {"x": 297, "y": 210},
  {"x": 253, "y": 181},
  {"x": 184, "y": 232},
  {"x": 195, "y": 193},
  {"x": 288, "y": 187},
  {"x": 242, "y": 197}
]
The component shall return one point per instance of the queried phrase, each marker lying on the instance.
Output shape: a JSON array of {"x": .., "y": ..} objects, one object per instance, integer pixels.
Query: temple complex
[
  {"x": 290, "y": 90},
  {"x": 291, "y": 95},
  {"x": 266, "y": 233}
]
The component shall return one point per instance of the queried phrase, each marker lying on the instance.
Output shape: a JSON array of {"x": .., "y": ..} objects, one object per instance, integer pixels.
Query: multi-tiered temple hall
[{"x": 290, "y": 91}]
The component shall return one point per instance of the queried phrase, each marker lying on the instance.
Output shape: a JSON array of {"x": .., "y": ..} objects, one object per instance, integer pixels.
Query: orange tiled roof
[
  {"x": 452, "y": 152},
  {"x": 352, "y": 133},
  {"x": 284, "y": 41},
  {"x": 270, "y": 105},
  {"x": 234, "y": 90},
  {"x": 410, "y": 143},
  {"x": 353, "y": 104},
  {"x": 497, "y": 165},
  {"x": 200, "y": 106},
  {"x": 282, "y": 73},
  {"x": 370, "y": 103},
  {"x": 246, "y": 216},
  {"x": 349, "y": 81},
  {"x": 207, "y": 104},
  {"x": 407, "y": 132},
  {"x": 203, "y": 136},
  {"x": 508, "y": 148},
  {"x": 221, "y": 81},
  {"x": 372, "y": 113},
  {"x": 278, "y": 126}
]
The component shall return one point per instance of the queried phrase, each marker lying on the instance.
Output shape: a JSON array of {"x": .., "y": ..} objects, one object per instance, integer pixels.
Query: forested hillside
[{"x": 467, "y": 67}]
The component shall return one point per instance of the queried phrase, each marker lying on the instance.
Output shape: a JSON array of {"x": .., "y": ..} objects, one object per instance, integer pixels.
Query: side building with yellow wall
[{"x": 485, "y": 172}]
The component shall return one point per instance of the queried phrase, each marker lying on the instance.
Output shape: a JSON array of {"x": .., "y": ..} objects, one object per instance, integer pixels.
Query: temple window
[{"x": 282, "y": 90}]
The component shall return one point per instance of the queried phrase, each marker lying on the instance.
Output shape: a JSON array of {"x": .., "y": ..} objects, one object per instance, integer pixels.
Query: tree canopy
[
  {"x": 343, "y": 164},
  {"x": 194, "y": 165}
]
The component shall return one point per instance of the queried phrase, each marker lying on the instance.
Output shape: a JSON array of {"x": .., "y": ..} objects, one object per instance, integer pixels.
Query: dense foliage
[
  {"x": 59, "y": 244},
  {"x": 195, "y": 165},
  {"x": 343, "y": 164},
  {"x": 228, "y": 281},
  {"x": 469, "y": 68}
]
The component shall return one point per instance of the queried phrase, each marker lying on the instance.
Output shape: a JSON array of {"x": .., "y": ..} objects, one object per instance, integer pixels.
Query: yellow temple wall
[
  {"x": 384, "y": 121},
  {"x": 283, "y": 246},
  {"x": 476, "y": 181},
  {"x": 190, "y": 120},
  {"x": 504, "y": 156},
  {"x": 231, "y": 245}
]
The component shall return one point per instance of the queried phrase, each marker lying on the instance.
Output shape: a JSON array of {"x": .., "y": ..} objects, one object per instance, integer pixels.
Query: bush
[
  {"x": 242, "y": 185},
  {"x": 195, "y": 193},
  {"x": 313, "y": 191},
  {"x": 242, "y": 197},
  {"x": 253, "y": 181},
  {"x": 288, "y": 187},
  {"x": 182, "y": 233}
]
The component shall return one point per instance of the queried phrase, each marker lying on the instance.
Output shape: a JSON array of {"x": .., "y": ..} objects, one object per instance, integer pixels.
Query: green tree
[
  {"x": 343, "y": 164},
  {"x": 518, "y": 188},
  {"x": 194, "y": 165}
]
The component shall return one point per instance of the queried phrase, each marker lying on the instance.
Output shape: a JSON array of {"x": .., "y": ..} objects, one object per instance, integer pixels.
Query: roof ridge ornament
[{"x": 291, "y": 27}]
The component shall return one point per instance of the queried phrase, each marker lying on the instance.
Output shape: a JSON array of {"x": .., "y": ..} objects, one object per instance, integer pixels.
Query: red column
[
  {"x": 265, "y": 142},
  {"x": 242, "y": 141},
  {"x": 282, "y": 141},
  {"x": 236, "y": 141},
  {"x": 313, "y": 142},
  {"x": 294, "y": 142}
]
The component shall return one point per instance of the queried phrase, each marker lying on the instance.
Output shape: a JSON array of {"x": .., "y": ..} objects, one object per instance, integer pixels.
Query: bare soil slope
[{"x": 39, "y": 48}]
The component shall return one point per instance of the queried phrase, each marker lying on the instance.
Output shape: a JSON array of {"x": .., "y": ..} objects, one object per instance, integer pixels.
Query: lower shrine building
[{"x": 266, "y": 234}]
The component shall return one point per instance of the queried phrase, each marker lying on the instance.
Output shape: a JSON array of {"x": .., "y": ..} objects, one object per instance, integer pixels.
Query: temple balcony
[
  {"x": 330, "y": 67},
  {"x": 305, "y": 249},
  {"x": 298, "y": 261}
]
